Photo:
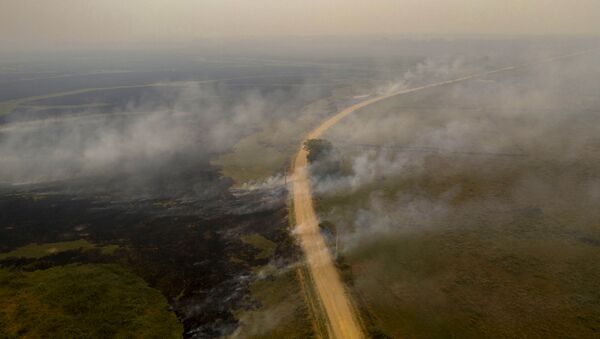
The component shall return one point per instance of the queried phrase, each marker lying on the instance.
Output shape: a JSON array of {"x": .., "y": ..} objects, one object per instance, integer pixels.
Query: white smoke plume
[{"x": 534, "y": 130}]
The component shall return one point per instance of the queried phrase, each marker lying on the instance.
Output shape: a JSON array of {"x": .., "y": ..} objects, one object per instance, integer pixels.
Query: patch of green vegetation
[
  {"x": 252, "y": 160},
  {"x": 282, "y": 314},
  {"x": 109, "y": 249},
  {"x": 33, "y": 251},
  {"x": 268, "y": 151},
  {"x": 267, "y": 247},
  {"x": 42, "y": 250},
  {"x": 83, "y": 301}
]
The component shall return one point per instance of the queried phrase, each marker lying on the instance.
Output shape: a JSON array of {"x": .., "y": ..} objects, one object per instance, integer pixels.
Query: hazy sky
[{"x": 92, "y": 21}]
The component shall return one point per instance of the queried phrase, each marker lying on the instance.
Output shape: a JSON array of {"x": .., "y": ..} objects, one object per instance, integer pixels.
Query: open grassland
[
  {"x": 474, "y": 284},
  {"x": 83, "y": 301},
  {"x": 478, "y": 269},
  {"x": 472, "y": 212}
]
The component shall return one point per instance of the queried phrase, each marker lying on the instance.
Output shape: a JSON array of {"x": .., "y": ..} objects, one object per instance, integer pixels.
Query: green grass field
[
  {"x": 83, "y": 301},
  {"x": 487, "y": 267},
  {"x": 487, "y": 228}
]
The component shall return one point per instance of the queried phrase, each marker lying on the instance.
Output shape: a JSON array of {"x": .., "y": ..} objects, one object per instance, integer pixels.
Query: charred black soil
[{"x": 187, "y": 246}]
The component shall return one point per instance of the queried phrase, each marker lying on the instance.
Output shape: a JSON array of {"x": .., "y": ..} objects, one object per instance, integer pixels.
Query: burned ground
[{"x": 191, "y": 250}]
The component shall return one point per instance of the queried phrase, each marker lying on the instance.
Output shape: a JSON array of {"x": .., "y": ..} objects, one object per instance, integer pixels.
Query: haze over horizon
[
  {"x": 198, "y": 169},
  {"x": 74, "y": 22}
]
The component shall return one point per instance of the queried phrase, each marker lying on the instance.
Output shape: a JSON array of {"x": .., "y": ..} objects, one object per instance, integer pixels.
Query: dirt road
[{"x": 342, "y": 319}]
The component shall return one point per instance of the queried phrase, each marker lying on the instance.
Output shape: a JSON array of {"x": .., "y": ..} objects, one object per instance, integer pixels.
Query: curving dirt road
[{"x": 342, "y": 319}]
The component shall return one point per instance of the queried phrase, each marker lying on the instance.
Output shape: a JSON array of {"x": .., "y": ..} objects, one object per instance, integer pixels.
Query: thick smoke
[
  {"x": 55, "y": 149},
  {"x": 418, "y": 162},
  {"x": 159, "y": 142}
]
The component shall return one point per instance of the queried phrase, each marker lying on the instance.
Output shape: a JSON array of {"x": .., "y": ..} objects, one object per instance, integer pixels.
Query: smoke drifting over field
[
  {"x": 524, "y": 139},
  {"x": 155, "y": 143}
]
